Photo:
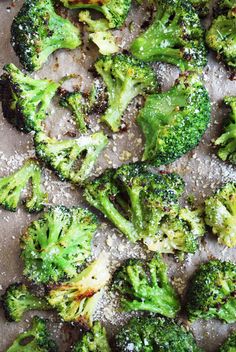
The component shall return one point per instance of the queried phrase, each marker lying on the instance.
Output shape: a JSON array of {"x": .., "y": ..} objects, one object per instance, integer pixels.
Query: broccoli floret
[
  {"x": 17, "y": 300},
  {"x": 115, "y": 11},
  {"x": 125, "y": 78},
  {"x": 230, "y": 344},
  {"x": 55, "y": 245},
  {"x": 37, "y": 31},
  {"x": 175, "y": 37},
  {"x": 63, "y": 155},
  {"x": 94, "y": 340},
  {"x": 151, "y": 334},
  {"x": 76, "y": 300},
  {"x": 174, "y": 122},
  {"x": 12, "y": 186},
  {"x": 36, "y": 339},
  {"x": 25, "y": 100},
  {"x": 146, "y": 286},
  {"x": 220, "y": 214},
  {"x": 227, "y": 141},
  {"x": 202, "y": 6},
  {"x": 211, "y": 293}
]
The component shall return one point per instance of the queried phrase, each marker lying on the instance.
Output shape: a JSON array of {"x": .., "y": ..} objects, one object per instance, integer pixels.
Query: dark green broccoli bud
[
  {"x": 55, "y": 245},
  {"x": 227, "y": 141},
  {"x": 114, "y": 11},
  {"x": 17, "y": 300},
  {"x": 224, "y": 5},
  {"x": 220, "y": 214},
  {"x": 77, "y": 299},
  {"x": 146, "y": 286},
  {"x": 62, "y": 156},
  {"x": 175, "y": 37},
  {"x": 230, "y": 344},
  {"x": 36, "y": 339},
  {"x": 94, "y": 340},
  {"x": 125, "y": 78},
  {"x": 202, "y": 6},
  {"x": 25, "y": 100},
  {"x": 174, "y": 122},
  {"x": 151, "y": 334},
  {"x": 37, "y": 31},
  {"x": 211, "y": 293},
  {"x": 12, "y": 186}
]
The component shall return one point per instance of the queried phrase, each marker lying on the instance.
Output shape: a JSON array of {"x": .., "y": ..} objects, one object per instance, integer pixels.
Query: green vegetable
[
  {"x": 230, "y": 344},
  {"x": 202, "y": 6}
]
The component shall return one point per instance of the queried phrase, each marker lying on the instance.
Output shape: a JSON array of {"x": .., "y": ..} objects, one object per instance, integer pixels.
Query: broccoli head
[
  {"x": 151, "y": 334},
  {"x": 227, "y": 141},
  {"x": 36, "y": 339},
  {"x": 63, "y": 156},
  {"x": 17, "y": 300},
  {"x": 25, "y": 100},
  {"x": 37, "y": 31},
  {"x": 174, "y": 122},
  {"x": 55, "y": 245},
  {"x": 220, "y": 210},
  {"x": 94, "y": 340},
  {"x": 76, "y": 300},
  {"x": 202, "y": 6},
  {"x": 125, "y": 78},
  {"x": 211, "y": 293},
  {"x": 146, "y": 286},
  {"x": 174, "y": 37},
  {"x": 230, "y": 344},
  {"x": 12, "y": 186}
]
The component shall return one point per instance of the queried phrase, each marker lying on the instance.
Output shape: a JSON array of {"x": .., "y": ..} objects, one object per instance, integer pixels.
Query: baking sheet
[{"x": 201, "y": 169}]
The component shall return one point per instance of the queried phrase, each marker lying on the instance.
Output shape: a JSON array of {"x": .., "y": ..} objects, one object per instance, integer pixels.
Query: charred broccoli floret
[
  {"x": 36, "y": 339},
  {"x": 175, "y": 37},
  {"x": 12, "y": 186},
  {"x": 25, "y": 100},
  {"x": 151, "y": 334},
  {"x": 146, "y": 286},
  {"x": 63, "y": 155},
  {"x": 55, "y": 245},
  {"x": 76, "y": 300},
  {"x": 227, "y": 141},
  {"x": 230, "y": 344},
  {"x": 220, "y": 210},
  {"x": 173, "y": 122},
  {"x": 37, "y": 31},
  {"x": 211, "y": 293},
  {"x": 125, "y": 78},
  {"x": 202, "y": 6},
  {"x": 94, "y": 340},
  {"x": 17, "y": 300}
]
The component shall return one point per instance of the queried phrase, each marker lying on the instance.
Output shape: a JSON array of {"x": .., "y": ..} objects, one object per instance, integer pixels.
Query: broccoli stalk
[
  {"x": 37, "y": 31},
  {"x": 175, "y": 37},
  {"x": 227, "y": 141},
  {"x": 35, "y": 339},
  {"x": 25, "y": 100},
  {"x": 12, "y": 186},
  {"x": 76, "y": 300},
  {"x": 230, "y": 344},
  {"x": 125, "y": 78},
  {"x": 55, "y": 245},
  {"x": 17, "y": 300},
  {"x": 145, "y": 286}
]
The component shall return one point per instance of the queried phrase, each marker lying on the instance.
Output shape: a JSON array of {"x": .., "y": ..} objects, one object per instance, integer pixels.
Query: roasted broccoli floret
[
  {"x": 230, "y": 344},
  {"x": 211, "y": 293},
  {"x": 37, "y": 31},
  {"x": 94, "y": 340},
  {"x": 202, "y": 6},
  {"x": 63, "y": 155},
  {"x": 227, "y": 141},
  {"x": 174, "y": 122},
  {"x": 125, "y": 78},
  {"x": 12, "y": 186},
  {"x": 151, "y": 334},
  {"x": 36, "y": 339},
  {"x": 25, "y": 100},
  {"x": 175, "y": 37},
  {"x": 76, "y": 300},
  {"x": 17, "y": 300},
  {"x": 146, "y": 286},
  {"x": 221, "y": 36},
  {"x": 220, "y": 214},
  {"x": 55, "y": 245}
]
